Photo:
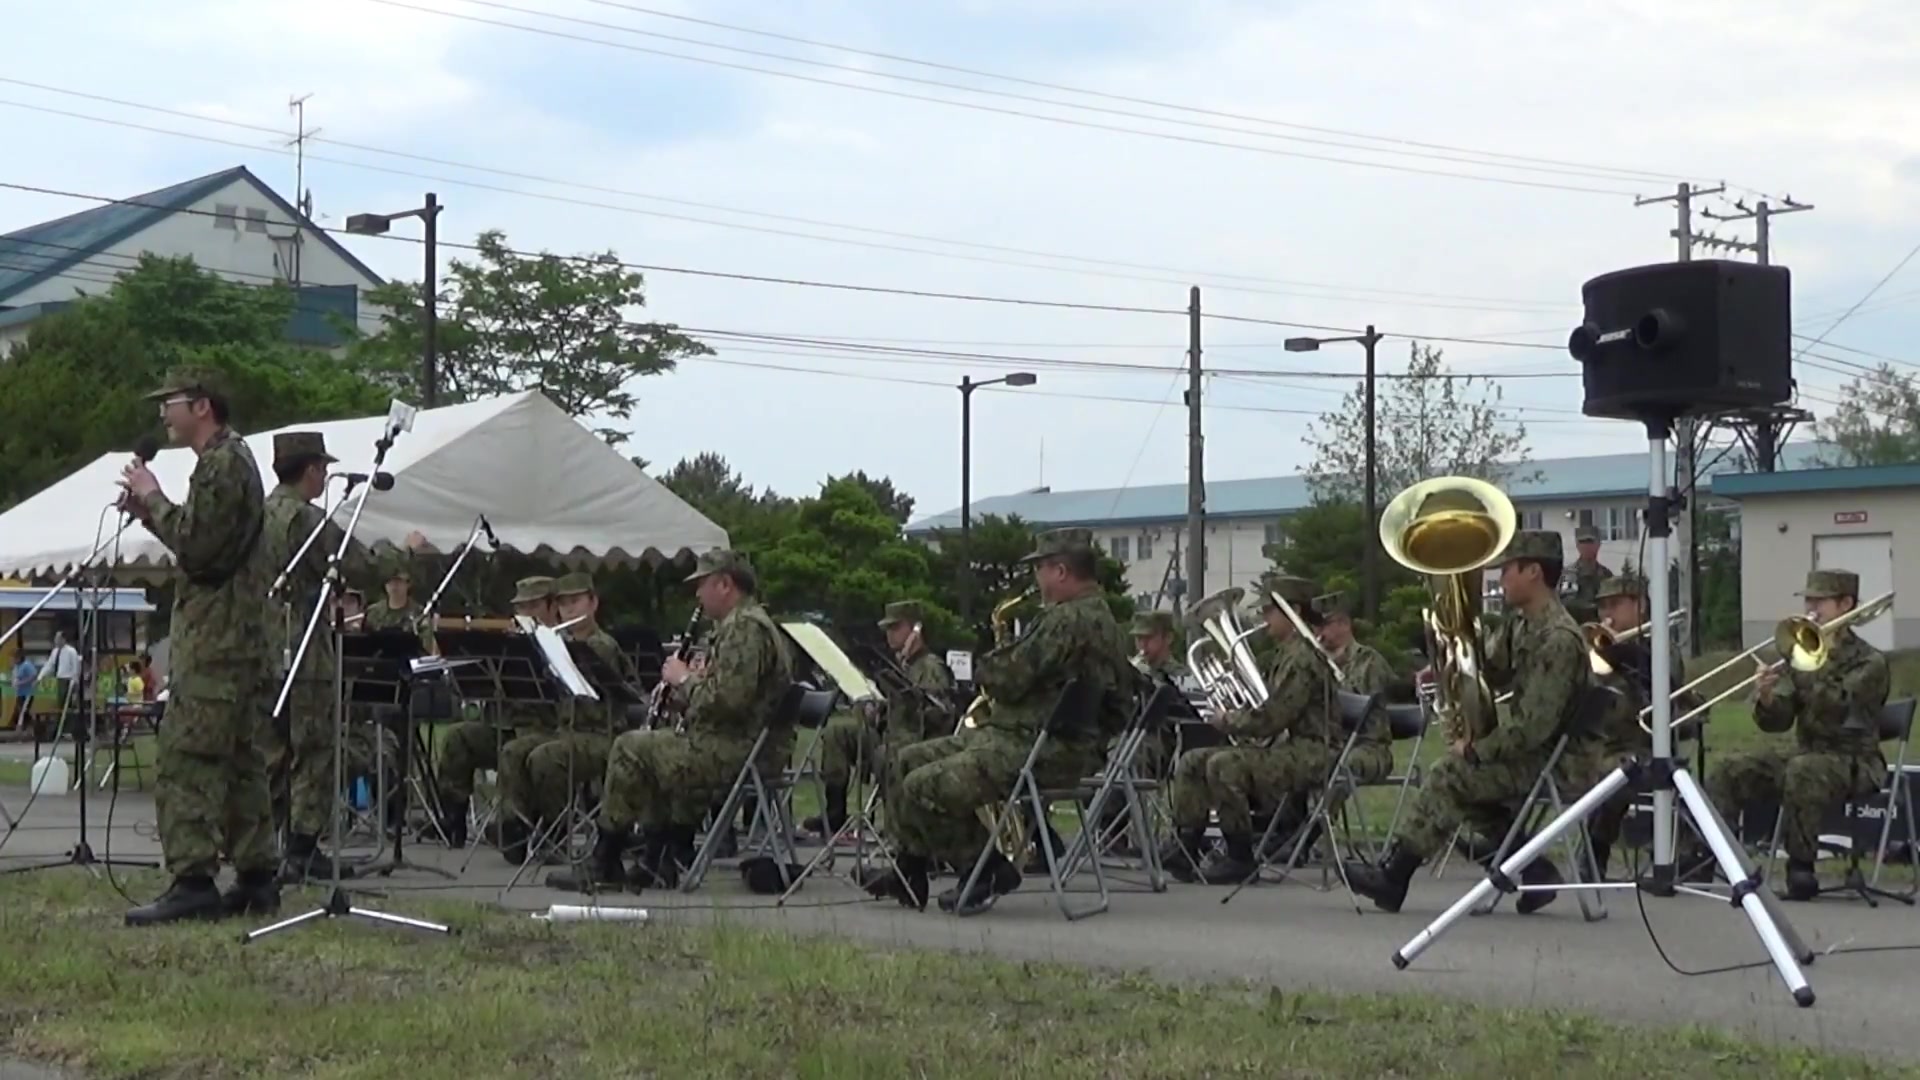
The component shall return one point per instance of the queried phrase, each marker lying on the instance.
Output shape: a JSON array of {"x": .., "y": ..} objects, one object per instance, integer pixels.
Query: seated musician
[
  {"x": 472, "y": 745},
  {"x": 1362, "y": 671},
  {"x": 1153, "y": 638},
  {"x": 353, "y": 609},
  {"x": 936, "y": 788},
  {"x": 1539, "y": 654},
  {"x": 1835, "y": 716},
  {"x": 1258, "y": 767},
  {"x": 910, "y": 718},
  {"x": 665, "y": 782},
  {"x": 397, "y": 610}
]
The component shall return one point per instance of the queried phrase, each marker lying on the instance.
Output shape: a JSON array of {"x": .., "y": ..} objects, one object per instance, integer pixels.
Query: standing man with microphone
[{"x": 211, "y": 793}]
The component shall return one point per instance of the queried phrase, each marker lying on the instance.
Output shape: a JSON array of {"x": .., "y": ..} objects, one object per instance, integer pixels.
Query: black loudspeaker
[{"x": 1685, "y": 339}]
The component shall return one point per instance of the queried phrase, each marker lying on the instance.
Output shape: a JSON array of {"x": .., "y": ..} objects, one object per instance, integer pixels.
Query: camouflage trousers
[
  {"x": 556, "y": 769},
  {"x": 660, "y": 778},
  {"x": 1485, "y": 797},
  {"x": 515, "y": 780},
  {"x": 467, "y": 748},
  {"x": 935, "y": 788},
  {"x": 300, "y": 766},
  {"x": 1806, "y": 784},
  {"x": 847, "y": 739},
  {"x": 1231, "y": 780},
  {"x": 211, "y": 789}
]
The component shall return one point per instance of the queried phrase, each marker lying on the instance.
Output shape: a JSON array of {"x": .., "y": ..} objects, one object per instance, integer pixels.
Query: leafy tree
[
  {"x": 993, "y": 550},
  {"x": 76, "y": 386},
  {"x": 1427, "y": 424},
  {"x": 511, "y": 322},
  {"x": 1876, "y": 423},
  {"x": 897, "y": 505},
  {"x": 710, "y": 485}
]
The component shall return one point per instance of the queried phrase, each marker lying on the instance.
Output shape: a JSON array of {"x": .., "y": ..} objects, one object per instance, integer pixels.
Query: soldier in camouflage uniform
[
  {"x": 1539, "y": 654},
  {"x": 1835, "y": 715},
  {"x": 1587, "y": 572},
  {"x": 910, "y": 718},
  {"x": 1363, "y": 671},
  {"x": 397, "y": 610},
  {"x": 1258, "y": 768},
  {"x": 1154, "y": 658},
  {"x": 472, "y": 745},
  {"x": 212, "y": 792},
  {"x": 664, "y": 782},
  {"x": 936, "y": 787}
]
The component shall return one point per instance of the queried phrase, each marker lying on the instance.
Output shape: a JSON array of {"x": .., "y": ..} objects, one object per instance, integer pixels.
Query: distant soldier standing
[
  {"x": 212, "y": 793},
  {"x": 397, "y": 610},
  {"x": 1587, "y": 572},
  {"x": 1835, "y": 716}
]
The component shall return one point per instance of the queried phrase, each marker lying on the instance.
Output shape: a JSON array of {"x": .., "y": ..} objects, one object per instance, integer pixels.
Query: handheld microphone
[
  {"x": 146, "y": 448},
  {"x": 382, "y": 481}
]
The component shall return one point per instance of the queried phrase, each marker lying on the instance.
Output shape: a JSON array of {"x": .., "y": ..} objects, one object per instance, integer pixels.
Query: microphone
[
  {"x": 487, "y": 527},
  {"x": 146, "y": 448},
  {"x": 382, "y": 481}
]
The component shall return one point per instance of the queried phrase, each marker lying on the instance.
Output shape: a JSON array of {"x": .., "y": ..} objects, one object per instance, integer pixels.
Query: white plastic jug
[{"x": 49, "y": 776}]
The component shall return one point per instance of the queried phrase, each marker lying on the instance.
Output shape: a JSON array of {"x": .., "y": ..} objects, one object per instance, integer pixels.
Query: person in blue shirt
[{"x": 24, "y": 677}]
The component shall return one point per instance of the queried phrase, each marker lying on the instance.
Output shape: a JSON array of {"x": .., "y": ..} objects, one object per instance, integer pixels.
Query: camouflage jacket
[
  {"x": 749, "y": 669},
  {"x": 220, "y": 645},
  {"x": 1542, "y": 658},
  {"x": 288, "y": 520},
  {"x": 384, "y": 616},
  {"x": 1073, "y": 639},
  {"x": 1299, "y": 699},
  {"x": 611, "y": 708},
  {"x": 1364, "y": 671},
  {"x": 1836, "y": 709},
  {"x": 913, "y": 715},
  {"x": 1583, "y": 600},
  {"x": 1170, "y": 671},
  {"x": 1630, "y": 680}
]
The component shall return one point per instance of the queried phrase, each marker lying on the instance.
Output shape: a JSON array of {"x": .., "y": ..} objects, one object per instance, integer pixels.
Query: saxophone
[
  {"x": 1012, "y": 835},
  {"x": 1002, "y": 620}
]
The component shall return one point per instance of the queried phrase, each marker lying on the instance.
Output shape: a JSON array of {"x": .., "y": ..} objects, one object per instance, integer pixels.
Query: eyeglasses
[{"x": 181, "y": 399}]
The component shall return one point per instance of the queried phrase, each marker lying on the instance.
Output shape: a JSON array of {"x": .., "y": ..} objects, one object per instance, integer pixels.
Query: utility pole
[
  {"x": 1196, "y": 459},
  {"x": 302, "y": 199},
  {"x": 1686, "y": 429},
  {"x": 1762, "y": 431},
  {"x": 1369, "y": 555}
]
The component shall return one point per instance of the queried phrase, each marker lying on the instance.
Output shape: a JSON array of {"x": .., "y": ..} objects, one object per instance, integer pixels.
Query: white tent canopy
[{"x": 546, "y": 484}]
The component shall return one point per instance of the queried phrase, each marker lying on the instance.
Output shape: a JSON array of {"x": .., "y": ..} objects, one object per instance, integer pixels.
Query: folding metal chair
[
  {"x": 1544, "y": 799},
  {"x": 1117, "y": 779},
  {"x": 802, "y": 707},
  {"x": 1891, "y": 801},
  {"x": 1353, "y": 710}
]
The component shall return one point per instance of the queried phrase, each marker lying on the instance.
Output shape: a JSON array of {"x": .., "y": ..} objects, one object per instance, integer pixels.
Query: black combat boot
[
  {"x": 254, "y": 892},
  {"x": 1802, "y": 882},
  {"x": 605, "y": 868},
  {"x": 1235, "y": 865},
  {"x": 1602, "y": 851},
  {"x": 1177, "y": 856},
  {"x": 1540, "y": 871},
  {"x": 1037, "y": 862},
  {"x": 303, "y": 860},
  {"x": 1386, "y": 884},
  {"x": 997, "y": 878},
  {"x": 514, "y": 835},
  {"x": 190, "y": 897},
  {"x": 828, "y": 823},
  {"x": 904, "y": 881},
  {"x": 678, "y": 855},
  {"x": 453, "y": 823}
]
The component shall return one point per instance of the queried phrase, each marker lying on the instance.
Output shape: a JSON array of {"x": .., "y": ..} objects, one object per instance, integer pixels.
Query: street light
[
  {"x": 967, "y": 387},
  {"x": 1369, "y": 568},
  {"x": 378, "y": 224}
]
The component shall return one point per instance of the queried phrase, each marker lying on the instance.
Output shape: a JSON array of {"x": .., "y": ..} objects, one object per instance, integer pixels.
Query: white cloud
[{"x": 1757, "y": 93}]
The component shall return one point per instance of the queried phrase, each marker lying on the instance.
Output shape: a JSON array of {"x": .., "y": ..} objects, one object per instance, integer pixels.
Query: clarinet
[{"x": 660, "y": 692}]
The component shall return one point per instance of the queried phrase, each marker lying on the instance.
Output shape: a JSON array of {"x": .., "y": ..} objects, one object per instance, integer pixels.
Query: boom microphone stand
[
  {"x": 337, "y": 905},
  {"x": 1668, "y": 778}
]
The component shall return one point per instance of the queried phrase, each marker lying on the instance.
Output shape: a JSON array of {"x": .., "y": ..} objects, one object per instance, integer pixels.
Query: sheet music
[
  {"x": 560, "y": 662},
  {"x": 821, "y": 649}
]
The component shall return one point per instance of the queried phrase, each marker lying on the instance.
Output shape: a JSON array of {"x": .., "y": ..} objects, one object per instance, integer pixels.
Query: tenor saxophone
[
  {"x": 1002, "y": 620},
  {"x": 1011, "y": 835}
]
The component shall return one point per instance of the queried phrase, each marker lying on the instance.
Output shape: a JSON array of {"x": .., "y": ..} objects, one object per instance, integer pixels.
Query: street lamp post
[
  {"x": 967, "y": 387},
  {"x": 1369, "y": 564},
  {"x": 377, "y": 224}
]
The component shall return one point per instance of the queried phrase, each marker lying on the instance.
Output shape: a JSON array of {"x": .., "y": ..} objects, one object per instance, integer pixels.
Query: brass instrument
[
  {"x": 1801, "y": 643},
  {"x": 1011, "y": 836},
  {"x": 1002, "y": 619},
  {"x": 1600, "y": 641},
  {"x": 1449, "y": 528},
  {"x": 1300, "y": 627},
  {"x": 1220, "y": 658}
]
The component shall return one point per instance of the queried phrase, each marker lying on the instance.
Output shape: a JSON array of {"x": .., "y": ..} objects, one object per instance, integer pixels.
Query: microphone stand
[
  {"x": 337, "y": 904},
  {"x": 81, "y": 854}
]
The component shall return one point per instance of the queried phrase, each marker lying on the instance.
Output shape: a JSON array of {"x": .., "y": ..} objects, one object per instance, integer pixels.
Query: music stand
[
  {"x": 378, "y": 666},
  {"x": 864, "y": 674},
  {"x": 500, "y": 671}
]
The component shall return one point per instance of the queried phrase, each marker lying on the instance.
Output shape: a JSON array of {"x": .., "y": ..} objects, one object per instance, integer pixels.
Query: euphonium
[{"x": 1449, "y": 528}]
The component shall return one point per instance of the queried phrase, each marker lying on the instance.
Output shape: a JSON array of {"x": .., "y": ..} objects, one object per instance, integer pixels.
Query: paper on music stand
[
  {"x": 554, "y": 649},
  {"x": 821, "y": 649},
  {"x": 960, "y": 662},
  {"x": 433, "y": 665}
]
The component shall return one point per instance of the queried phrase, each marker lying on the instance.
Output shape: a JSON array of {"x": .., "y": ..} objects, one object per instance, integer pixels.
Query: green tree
[
  {"x": 993, "y": 550},
  {"x": 712, "y": 486},
  {"x": 897, "y": 505},
  {"x": 1428, "y": 422},
  {"x": 76, "y": 386},
  {"x": 1876, "y": 423},
  {"x": 512, "y": 322}
]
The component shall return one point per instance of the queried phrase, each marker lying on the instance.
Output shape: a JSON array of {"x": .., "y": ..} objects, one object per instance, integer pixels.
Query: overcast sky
[{"x": 1618, "y": 98}]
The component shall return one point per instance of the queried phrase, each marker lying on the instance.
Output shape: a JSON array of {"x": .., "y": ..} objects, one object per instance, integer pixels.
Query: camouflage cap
[
  {"x": 397, "y": 566},
  {"x": 1586, "y": 534},
  {"x": 1297, "y": 591},
  {"x": 721, "y": 560},
  {"x": 197, "y": 381},
  {"x": 902, "y": 611},
  {"x": 292, "y": 446},
  {"x": 1056, "y": 542},
  {"x": 573, "y": 584},
  {"x": 1152, "y": 622},
  {"x": 532, "y": 590},
  {"x": 1544, "y": 545},
  {"x": 1827, "y": 584},
  {"x": 1334, "y": 603},
  {"x": 1628, "y": 585}
]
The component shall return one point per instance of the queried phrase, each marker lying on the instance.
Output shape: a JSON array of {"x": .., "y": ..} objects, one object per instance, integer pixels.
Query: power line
[
  {"x": 1897, "y": 267},
  {"x": 980, "y": 107},
  {"x": 1328, "y": 292}
]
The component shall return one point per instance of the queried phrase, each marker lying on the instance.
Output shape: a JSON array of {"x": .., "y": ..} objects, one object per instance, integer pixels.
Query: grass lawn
[{"x": 515, "y": 997}]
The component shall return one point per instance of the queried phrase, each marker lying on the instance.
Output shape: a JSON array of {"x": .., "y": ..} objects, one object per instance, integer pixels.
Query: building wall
[{"x": 1778, "y": 535}]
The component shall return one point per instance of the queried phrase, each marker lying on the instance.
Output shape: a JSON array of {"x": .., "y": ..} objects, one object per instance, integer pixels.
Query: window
[
  {"x": 1143, "y": 601},
  {"x": 225, "y": 216},
  {"x": 1276, "y": 535},
  {"x": 1145, "y": 547},
  {"x": 1531, "y": 519},
  {"x": 256, "y": 220},
  {"x": 1583, "y": 518},
  {"x": 1117, "y": 547},
  {"x": 1623, "y": 523}
]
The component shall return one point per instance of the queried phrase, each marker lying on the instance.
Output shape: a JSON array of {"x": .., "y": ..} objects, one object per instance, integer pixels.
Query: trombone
[
  {"x": 1220, "y": 658},
  {"x": 1801, "y": 642},
  {"x": 1600, "y": 641}
]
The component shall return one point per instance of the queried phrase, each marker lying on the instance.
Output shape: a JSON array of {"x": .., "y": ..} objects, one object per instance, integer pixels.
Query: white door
[{"x": 1870, "y": 556}]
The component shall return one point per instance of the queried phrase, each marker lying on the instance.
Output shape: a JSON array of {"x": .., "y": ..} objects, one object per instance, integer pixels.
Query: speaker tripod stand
[{"x": 1668, "y": 778}]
